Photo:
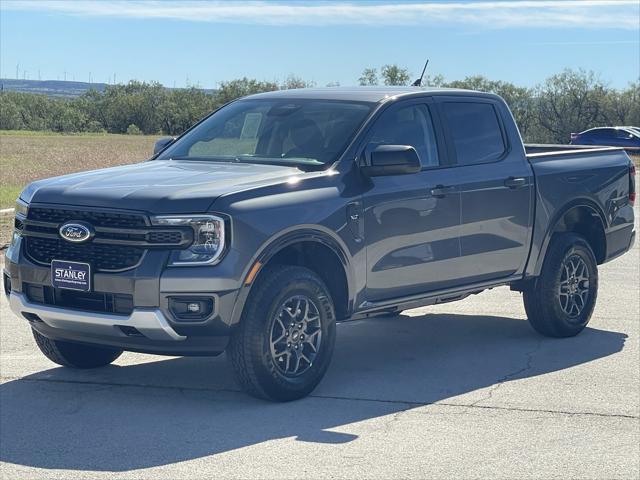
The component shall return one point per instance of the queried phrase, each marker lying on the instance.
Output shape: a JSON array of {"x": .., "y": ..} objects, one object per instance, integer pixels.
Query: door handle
[
  {"x": 515, "y": 182},
  {"x": 440, "y": 191}
]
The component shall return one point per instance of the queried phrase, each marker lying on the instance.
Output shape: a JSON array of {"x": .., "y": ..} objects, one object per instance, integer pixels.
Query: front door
[{"x": 411, "y": 221}]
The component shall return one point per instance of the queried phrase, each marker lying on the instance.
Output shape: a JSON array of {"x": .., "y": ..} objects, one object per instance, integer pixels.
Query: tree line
[{"x": 570, "y": 101}]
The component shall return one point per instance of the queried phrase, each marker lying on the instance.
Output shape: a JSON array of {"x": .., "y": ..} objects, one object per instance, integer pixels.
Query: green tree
[
  {"x": 568, "y": 102},
  {"x": 571, "y": 101},
  {"x": 433, "y": 81},
  {"x": 10, "y": 118},
  {"x": 296, "y": 82},
  {"x": 369, "y": 77},
  {"x": 243, "y": 86},
  {"x": 133, "y": 130},
  {"x": 395, "y": 75},
  {"x": 623, "y": 106}
]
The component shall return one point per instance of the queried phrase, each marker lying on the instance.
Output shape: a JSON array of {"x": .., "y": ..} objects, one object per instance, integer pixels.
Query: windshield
[{"x": 281, "y": 131}]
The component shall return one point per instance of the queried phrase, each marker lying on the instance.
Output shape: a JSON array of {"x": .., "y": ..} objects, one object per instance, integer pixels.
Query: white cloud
[{"x": 616, "y": 14}]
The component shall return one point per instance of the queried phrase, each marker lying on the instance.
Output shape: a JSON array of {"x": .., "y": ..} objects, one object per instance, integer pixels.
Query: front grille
[
  {"x": 119, "y": 243},
  {"x": 103, "y": 257},
  {"x": 164, "y": 237},
  {"x": 95, "y": 218},
  {"x": 114, "y": 303}
]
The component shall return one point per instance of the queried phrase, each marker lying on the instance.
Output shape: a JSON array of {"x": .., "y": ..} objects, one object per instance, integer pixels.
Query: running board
[{"x": 431, "y": 298}]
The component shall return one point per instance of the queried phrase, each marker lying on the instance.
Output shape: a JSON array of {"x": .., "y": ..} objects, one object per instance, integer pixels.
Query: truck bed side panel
[{"x": 598, "y": 180}]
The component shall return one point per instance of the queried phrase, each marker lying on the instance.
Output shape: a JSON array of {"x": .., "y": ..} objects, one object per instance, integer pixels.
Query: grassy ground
[{"x": 29, "y": 156}]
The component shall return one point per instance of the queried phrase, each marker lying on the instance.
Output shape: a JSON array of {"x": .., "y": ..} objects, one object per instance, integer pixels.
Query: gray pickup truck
[{"x": 283, "y": 213}]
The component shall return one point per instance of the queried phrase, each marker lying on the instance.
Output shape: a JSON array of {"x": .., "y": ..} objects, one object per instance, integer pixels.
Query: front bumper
[
  {"x": 150, "y": 323},
  {"x": 151, "y": 327},
  {"x": 156, "y": 335}
]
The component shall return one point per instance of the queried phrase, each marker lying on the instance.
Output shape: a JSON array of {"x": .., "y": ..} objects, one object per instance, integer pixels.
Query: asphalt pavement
[{"x": 460, "y": 390}]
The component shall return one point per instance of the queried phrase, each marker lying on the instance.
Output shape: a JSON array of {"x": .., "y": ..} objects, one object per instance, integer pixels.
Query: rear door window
[{"x": 475, "y": 132}]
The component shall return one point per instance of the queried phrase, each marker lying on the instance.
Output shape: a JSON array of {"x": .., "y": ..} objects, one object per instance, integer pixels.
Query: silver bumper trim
[{"x": 149, "y": 322}]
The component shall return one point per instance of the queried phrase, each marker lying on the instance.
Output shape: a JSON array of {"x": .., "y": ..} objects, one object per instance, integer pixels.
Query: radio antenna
[{"x": 418, "y": 82}]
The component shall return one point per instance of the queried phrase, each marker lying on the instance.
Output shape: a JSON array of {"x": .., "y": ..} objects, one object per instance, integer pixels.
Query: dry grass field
[{"x": 29, "y": 156}]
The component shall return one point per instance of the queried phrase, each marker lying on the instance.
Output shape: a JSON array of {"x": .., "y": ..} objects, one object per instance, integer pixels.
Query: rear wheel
[
  {"x": 283, "y": 345},
  {"x": 562, "y": 299},
  {"x": 75, "y": 355}
]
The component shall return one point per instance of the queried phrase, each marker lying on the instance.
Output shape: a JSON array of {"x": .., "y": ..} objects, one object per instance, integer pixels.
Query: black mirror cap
[
  {"x": 162, "y": 143},
  {"x": 391, "y": 160}
]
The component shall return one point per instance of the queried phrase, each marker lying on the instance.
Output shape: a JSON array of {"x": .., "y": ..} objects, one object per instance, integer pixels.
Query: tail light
[{"x": 632, "y": 183}]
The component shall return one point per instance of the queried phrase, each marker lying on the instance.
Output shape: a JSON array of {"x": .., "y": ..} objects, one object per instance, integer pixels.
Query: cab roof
[{"x": 364, "y": 94}]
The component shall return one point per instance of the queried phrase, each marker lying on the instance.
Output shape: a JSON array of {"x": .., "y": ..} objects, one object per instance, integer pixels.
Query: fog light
[{"x": 191, "y": 309}]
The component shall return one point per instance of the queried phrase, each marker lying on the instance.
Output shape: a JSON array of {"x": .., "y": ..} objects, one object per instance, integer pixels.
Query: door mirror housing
[
  {"x": 391, "y": 160},
  {"x": 162, "y": 143}
]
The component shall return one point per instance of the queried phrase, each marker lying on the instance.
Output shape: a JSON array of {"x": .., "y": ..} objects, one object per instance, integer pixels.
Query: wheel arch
[
  {"x": 578, "y": 217},
  {"x": 313, "y": 247}
]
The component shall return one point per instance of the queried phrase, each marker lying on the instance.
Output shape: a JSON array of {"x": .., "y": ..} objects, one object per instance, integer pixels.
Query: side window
[
  {"x": 608, "y": 133},
  {"x": 475, "y": 132},
  {"x": 589, "y": 134},
  {"x": 623, "y": 134},
  {"x": 410, "y": 125}
]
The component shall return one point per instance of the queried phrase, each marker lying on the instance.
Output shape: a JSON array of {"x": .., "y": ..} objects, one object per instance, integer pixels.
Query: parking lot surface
[{"x": 460, "y": 390}]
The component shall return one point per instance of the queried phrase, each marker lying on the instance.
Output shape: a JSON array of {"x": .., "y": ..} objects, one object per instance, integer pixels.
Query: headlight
[
  {"x": 208, "y": 238},
  {"x": 21, "y": 208}
]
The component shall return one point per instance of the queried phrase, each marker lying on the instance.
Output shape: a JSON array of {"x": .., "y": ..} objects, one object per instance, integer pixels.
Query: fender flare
[
  {"x": 558, "y": 215},
  {"x": 284, "y": 239}
]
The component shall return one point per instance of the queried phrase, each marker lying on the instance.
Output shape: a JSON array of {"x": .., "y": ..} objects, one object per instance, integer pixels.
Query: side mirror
[
  {"x": 162, "y": 143},
  {"x": 391, "y": 160}
]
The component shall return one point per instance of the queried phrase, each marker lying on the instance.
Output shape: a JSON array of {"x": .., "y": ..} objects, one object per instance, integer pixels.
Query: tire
[
  {"x": 261, "y": 350},
  {"x": 557, "y": 304},
  {"x": 75, "y": 355}
]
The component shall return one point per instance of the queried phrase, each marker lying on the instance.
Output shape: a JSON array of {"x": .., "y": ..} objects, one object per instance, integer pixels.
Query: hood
[{"x": 159, "y": 186}]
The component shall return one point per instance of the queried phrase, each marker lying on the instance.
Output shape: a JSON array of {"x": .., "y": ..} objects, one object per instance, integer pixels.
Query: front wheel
[
  {"x": 562, "y": 298},
  {"x": 283, "y": 345}
]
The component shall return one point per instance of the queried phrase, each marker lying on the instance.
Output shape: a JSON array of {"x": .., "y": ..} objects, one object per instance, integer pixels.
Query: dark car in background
[{"x": 626, "y": 137}]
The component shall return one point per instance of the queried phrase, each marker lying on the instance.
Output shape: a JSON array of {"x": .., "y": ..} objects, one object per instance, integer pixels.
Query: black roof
[{"x": 364, "y": 94}]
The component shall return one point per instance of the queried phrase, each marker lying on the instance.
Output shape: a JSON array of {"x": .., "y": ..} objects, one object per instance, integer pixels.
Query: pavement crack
[
  {"x": 407, "y": 404},
  {"x": 510, "y": 376}
]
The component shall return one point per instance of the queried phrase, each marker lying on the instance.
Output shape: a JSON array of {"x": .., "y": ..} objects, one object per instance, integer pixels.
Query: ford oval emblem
[{"x": 76, "y": 232}]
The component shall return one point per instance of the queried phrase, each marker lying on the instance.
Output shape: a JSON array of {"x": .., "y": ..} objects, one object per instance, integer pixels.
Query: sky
[{"x": 187, "y": 42}]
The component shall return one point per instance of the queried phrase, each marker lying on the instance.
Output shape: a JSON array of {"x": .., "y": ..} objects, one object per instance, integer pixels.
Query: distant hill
[{"x": 54, "y": 88}]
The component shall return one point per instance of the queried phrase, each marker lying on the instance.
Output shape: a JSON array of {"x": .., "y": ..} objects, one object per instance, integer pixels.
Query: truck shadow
[{"x": 122, "y": 418}]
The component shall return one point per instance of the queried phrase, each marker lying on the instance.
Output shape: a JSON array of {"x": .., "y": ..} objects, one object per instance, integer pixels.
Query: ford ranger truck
[{"x": 282, "y": 213}]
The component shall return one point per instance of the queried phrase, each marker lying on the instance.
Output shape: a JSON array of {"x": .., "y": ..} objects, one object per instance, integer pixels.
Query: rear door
[
  {"x": 496, "y": 187},
  {"x": 411, "y": 221}
]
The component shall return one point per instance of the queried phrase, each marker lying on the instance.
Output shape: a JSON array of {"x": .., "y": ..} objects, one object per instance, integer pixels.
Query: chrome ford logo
[{"x": 76, "y": 232}]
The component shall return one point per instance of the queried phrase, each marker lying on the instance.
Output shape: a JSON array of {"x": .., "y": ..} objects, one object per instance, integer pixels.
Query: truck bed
[{"x": 537, "y": 150}]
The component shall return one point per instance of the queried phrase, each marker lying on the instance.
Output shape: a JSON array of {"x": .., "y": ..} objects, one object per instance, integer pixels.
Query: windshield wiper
[
  {"x": 303, "y": 163},
  {"x": 204, "y": 159},
  {"x": 299, "y": 162}
]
